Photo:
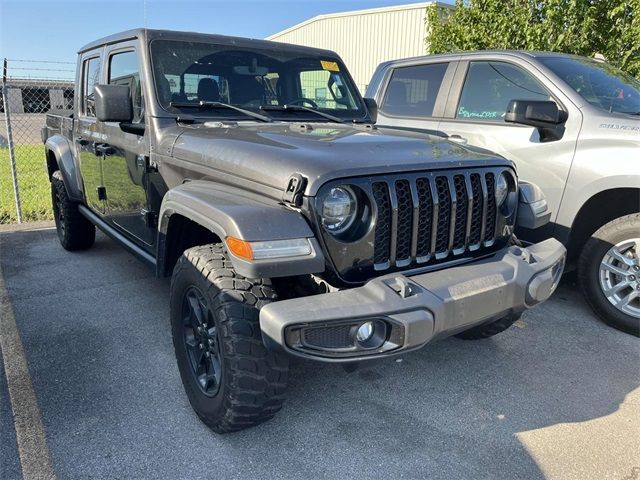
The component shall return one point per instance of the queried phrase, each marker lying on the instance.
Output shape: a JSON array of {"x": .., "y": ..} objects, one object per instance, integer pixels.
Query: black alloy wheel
[{"x": 201, "y": 341}]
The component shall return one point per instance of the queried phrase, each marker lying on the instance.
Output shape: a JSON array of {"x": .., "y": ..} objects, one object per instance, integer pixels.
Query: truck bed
[{"x": 58, "y": 122}]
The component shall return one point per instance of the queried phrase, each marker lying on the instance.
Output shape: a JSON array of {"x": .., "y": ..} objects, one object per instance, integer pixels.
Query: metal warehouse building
[{"x": 364, "y": 38}]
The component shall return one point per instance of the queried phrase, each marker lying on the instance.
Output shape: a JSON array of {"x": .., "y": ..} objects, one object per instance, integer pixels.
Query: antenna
[{"x": 144, "y": 10}]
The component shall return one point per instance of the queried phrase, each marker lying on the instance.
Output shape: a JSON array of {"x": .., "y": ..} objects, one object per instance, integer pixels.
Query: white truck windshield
[{"x": 598, "y": 83}]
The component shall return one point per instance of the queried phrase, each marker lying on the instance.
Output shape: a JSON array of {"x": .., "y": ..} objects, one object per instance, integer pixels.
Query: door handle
[
  {"x": 81, "y": 141},
  {"x": 457, "y": 139},
  {"x": 103, "y": 149}
]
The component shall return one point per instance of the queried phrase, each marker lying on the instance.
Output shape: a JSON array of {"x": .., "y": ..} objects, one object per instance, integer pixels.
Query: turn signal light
[
  {"x": 270, "y": 249},
  {"x": 240, "y": 248}
]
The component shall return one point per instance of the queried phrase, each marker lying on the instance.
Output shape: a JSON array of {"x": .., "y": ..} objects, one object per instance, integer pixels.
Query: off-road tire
[
  {"x": 612, "y": 233},
  {"x": 75, "y": 232},
  {"x": 489, "y": 329},
  {"x": 254, "y": 379}
]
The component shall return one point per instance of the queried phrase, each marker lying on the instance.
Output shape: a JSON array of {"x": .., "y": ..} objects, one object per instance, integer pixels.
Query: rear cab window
[
  {"x": 412, "y": 91},
  {"x": 490, "y": 86},
  {"x": 195, "y": 87}
]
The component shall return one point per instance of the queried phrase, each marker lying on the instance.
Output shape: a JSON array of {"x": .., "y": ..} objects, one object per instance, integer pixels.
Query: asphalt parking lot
[{"x": 556, "y": 396}]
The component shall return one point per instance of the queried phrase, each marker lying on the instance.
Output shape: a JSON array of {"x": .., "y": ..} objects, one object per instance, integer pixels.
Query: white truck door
[{"x": 475, "y": 116}]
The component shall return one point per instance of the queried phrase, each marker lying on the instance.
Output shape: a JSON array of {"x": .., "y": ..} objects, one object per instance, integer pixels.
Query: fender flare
[
  {"x": 61, "y": 149},
  {"x": 230, "y": 211},
  {"x": 569, "y": 210}
]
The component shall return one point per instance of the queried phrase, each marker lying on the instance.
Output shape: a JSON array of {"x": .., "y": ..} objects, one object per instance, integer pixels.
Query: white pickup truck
[{"x": 572, "y": 126}]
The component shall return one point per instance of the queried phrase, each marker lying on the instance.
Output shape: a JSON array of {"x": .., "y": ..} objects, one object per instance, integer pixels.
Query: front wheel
[
  {"x": 609, "y": 273},
  {"x": 232, "y": 381}
]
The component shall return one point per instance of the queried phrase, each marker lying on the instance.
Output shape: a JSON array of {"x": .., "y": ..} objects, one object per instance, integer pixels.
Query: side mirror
[
  {"x": 543, "y": 115},
  {"x": 535, "y": 113},
  {"x": 113, "y": 103},
  {"x": 372, "y": 106}
]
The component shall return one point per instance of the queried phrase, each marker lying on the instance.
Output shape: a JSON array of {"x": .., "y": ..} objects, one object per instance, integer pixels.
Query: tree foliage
[{"x": 583, "y": 27}]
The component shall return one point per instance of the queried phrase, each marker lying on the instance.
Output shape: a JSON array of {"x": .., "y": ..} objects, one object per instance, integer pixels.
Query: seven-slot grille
[{"x": 430, "y": 217}]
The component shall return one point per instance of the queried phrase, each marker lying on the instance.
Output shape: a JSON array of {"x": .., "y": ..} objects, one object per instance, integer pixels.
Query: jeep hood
[{"x": 269, "y": 154}]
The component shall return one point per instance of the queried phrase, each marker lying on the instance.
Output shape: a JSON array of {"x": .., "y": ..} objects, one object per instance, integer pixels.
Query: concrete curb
[{"x": 23, "y": 227}]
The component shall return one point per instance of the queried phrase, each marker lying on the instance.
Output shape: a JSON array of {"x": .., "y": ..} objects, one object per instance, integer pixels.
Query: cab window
[
  {"x": 490, "y": 86},
  {"x": 198, "y": 86},
  {"x": 91, "y": 77},
  {"x": 123, "y": 70},
  {"x": 412, "y": 91}
]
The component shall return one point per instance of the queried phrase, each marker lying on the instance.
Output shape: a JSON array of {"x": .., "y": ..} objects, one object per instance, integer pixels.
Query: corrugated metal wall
[{"x": 364, "y": 38}]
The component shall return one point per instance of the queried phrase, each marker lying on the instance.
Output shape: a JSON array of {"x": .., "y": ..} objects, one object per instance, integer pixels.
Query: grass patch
[
  {"x": 35, "y": 192},
  {"x": 120, "y": 175}
]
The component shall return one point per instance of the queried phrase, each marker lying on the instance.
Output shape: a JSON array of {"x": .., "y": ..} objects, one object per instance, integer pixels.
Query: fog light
[
  {"x": 365, "y": 332},
  {"x": 370, "y": 334}
]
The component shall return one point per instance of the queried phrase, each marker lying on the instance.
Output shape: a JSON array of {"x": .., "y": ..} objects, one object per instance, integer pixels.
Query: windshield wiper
[
  {"x": 205, "y": 104},
  {"x": 293, "y": 108}
]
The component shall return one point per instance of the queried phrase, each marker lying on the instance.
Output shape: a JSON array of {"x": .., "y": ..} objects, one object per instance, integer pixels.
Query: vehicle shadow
[
  {"x": 95, "y": 329},
  {"x": 454, "y": 408}
]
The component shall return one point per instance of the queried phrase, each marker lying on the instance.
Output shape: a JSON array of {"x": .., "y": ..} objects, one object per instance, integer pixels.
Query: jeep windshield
[
  {"x": 257, "y": 79},
  {"x": 599, "y": 83}
]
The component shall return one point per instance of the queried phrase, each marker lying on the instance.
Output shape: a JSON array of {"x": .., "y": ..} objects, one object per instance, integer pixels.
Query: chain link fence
[{"x": 29, "y": 90}]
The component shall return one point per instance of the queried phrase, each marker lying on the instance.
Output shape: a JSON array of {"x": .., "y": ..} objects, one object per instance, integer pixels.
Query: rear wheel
[
  {"x": 232, "y": 381},
  {"x": 609, "y": 273},
  {"x": 75, "y": 232},
  {"x": 489, "y": 329}
]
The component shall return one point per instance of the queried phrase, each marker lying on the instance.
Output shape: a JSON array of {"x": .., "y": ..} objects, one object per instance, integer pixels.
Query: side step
[{"x": 130, "y": 246}]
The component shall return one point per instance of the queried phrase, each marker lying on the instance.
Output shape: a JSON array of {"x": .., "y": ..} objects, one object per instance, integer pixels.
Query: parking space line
[{"x": 32, "y": 442}]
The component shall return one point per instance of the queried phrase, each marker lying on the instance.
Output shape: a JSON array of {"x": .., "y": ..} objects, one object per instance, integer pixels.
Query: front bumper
[{"x": 410, "y": 311}]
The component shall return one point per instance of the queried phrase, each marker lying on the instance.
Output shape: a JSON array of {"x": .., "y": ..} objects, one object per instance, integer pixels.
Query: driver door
[
  {"x": 126, "y": 153},
  {"x": 476, "y": 117}
]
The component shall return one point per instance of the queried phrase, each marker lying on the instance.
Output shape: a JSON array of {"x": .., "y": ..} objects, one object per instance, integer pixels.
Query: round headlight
[
  {"x": 338, "y": 209},
  {"x": 502, "y": 188}
]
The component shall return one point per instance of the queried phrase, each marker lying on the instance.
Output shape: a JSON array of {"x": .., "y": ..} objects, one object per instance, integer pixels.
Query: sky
[{"x": 54, "y": 30}]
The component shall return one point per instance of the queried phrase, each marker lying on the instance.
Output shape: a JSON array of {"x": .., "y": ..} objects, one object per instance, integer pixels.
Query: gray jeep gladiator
[
  {"x": 571, "y": 125},
  {"x": 252, "y": 173}
]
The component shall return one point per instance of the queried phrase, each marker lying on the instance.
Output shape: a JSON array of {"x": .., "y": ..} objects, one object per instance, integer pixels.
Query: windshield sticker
[{"x": 330, "y": 66}]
